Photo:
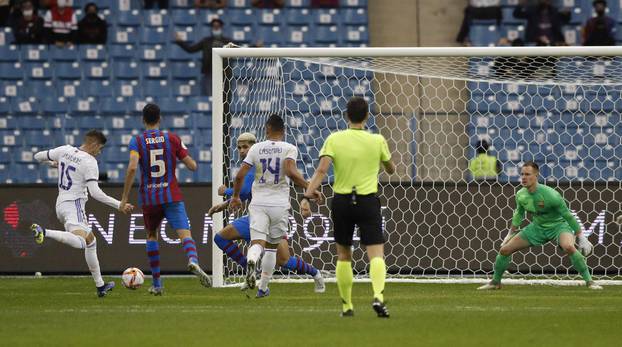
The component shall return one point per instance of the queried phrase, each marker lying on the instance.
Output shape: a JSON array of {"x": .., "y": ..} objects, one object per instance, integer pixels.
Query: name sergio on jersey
[
  {"x": 154, "y": 140},
  {"x": 272, "y": 150},
  {"x": 70, "y": 157}
]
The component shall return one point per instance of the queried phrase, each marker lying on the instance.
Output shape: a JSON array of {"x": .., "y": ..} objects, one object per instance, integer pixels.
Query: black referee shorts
[{"x": 365, "y": 213}]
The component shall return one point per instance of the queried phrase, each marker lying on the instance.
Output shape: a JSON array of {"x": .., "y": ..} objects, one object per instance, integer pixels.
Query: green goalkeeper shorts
[{"x": 538, "y": 236}]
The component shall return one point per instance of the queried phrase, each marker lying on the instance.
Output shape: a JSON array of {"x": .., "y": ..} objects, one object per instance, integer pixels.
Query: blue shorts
[
  {"x": 243, "y": 227},
  {"x": 174, "y": 212}
]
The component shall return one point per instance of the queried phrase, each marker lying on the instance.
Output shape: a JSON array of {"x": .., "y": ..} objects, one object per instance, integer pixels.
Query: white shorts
[
  {"x": 71, "y": 214},
  {"x": 268, "y": 223}
]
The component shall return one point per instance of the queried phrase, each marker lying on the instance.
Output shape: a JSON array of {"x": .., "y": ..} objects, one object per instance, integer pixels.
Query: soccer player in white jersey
[
  {"x": 77, "y": 172},
  {"x": 275, "y": 163}
]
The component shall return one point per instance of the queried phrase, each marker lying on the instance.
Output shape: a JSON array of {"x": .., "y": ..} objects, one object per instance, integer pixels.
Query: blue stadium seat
[
  {"x": 155, "y": 88},
  {"x": 152, "y": 53},
  {"x": 92, "y": 53},
  {"x": 5, "y": 156},
  {"x": 298, "y": 16},
  {"x": 354, "y": 16},
  {"x": 270, "y": 17},
  {"x": 126, "y": 70},
  {"x": 484, "y": 35},
  {"x": 176, "y": 53},
  {"x": 245, "y": 16},
  {"x": 10, "y": 138},
  {"x": 175, "y": 123},
  {"x": 154, "y": 35},
  {"x": 112, "y": 106},
  {"x": 513, "y": 32},
  {"x": 96, "y": 88},
  {"x": 297, "y": 36},
  {"x": 202, "y": 121},
  {"x": 31, "y": 122},
  {"x": 35, "y": 53},
  {"x": 270, "y": 35},
  {"x": 200, "y": 104},
  {"x": 82, "y": 106},
  {"x": 325, "y": 16},
  {"x": 354, "y": 35},
  {"x": 126, "y": 88},
  {"x": 187, "y": 17},
  {"x": 185, "y": 88},
  {"x": 68, "y": 71},
  {"x": 326, "y": 34},
  {"x": 65, "y": 88},
  {"x": 13, "y": 88},
  {"x": 172, "y": 106},
  {"x": 353, "y": 3},
  {"x": 64, "y": 53},
  {"x": 11, "y": 71},
  {"x": 38, "y": 138},
  {"x": 6, "y": 36},
  {"x": 508, "y": 17},
  {"x": 96, "y": 70},
  {"x": 155, "y": 70},
  {"x": 241, "y": 34},
  {"x": 116, "y": 154},
  {"x": 204, "y": 173},
  {"x": 122, "y": 52},
  {"x": 297, "y": 3},
  {"x": 128, "y": 18},
  {"x": 24, "y": 106},
  {"x": 41, "y": 71},
  {"x": 53, "y": 105},
  {"x": 155, "y": 18},
  {"x": 9, "y": 53},
  {"x": 86, "y": 122},
  {"x": 185, "y": 70},
  {"x": 239, "y": 3},
  {"x": 123, "y": 35}
]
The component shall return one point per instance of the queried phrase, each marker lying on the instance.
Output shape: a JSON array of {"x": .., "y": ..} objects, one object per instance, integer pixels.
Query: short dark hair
[
  {"x": 533, "y": 165},
  {"x": 275, "y": 122},
  {"x": 482, "y": 146},
  {"x": 151, "y": 114},
  {"x": 90, "y": 4},
  {"x": 96, "y": 135},
  {"x": 357, "y": 109},
  {"x": 604, "y": 2}
]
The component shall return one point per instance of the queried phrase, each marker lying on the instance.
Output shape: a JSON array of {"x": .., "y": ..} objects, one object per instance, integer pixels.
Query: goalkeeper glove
[
  {"x": 508, "y": 237},
  {"x": 584, "y": 245}
]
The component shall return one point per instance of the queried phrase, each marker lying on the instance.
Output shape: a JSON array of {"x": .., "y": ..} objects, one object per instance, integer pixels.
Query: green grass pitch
[{"x": 66, "y": 312}]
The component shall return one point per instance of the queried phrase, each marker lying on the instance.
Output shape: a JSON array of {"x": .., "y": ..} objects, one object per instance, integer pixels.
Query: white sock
[
  {"x": 254, "y": 253},
  {"x": 67, "y": 238},
  {"x": 267, "y": 268},
  {"x": 90, "y": 254}
]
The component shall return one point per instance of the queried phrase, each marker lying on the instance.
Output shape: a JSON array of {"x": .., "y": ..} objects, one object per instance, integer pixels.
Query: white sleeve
[
  {"x": 92, "y": 172},
  {"x": 251, "y": 157},
  {"x": 100, "y": 196},
  {"x": 292, "y": 152},
  {"x": 52, "y": 154}
]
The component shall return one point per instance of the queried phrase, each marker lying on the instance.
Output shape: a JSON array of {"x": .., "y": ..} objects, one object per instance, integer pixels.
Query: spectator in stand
[
  {"x": 484, "y": 166},
  {"x": 544, "y": 22},
  {"x": 28, "y": 26},
  {"x": 205, "y": 46},
  {"x": 478, "y": 9},
  {"x": 92, "y": 29},
  {"x": 600, "y": 30},
  {"x": 268, "y": 3},
  {"x": 5, "y": 11},
  {"x": 61, "y": 24},
  {"x": 325, "y": 3},
  {"x": 162, "y": 4},
  {"x": 213, "y": 4}
]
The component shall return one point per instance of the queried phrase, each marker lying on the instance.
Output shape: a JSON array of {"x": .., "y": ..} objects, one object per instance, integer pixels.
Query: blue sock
[
  {"x": 153, "y": 252},
  {"x": 298, "y": 265},
  {"x": 191, "y": 250},
  {"x": 231, "y": 249}
]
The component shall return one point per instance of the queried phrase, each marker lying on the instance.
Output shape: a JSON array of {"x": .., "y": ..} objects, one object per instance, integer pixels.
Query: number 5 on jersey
[{"x": 157, "y": 160}]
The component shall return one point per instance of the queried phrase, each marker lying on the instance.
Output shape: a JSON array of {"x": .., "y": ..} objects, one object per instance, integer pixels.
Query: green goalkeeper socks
[
  {"x": 578, "y": 262},
  {"x": 378, "y": 274},
  {"x": 501, "y": 264},
  {"x": 344, "y": 283}
]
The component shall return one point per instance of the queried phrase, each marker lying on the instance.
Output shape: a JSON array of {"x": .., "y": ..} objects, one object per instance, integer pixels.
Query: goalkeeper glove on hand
[{"x": 584, "y": 245}]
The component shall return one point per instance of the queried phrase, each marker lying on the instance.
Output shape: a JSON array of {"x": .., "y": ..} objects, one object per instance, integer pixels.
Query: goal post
[{"x": 558, "y": 106}]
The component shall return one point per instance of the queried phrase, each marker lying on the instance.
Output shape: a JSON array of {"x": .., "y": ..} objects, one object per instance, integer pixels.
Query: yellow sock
[
  {"x": 378, "y": 274},
  {"x": 344, "y": 283}
]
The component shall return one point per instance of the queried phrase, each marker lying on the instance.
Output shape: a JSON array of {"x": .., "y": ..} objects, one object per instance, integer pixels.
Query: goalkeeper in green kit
[{"x": 551, "y": 221}]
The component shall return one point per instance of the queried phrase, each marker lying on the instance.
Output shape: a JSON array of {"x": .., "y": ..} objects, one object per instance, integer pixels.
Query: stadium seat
[
  {"x": 185, "y": 17},
  {"x": 25, "y": 173},
  {"x": 354, "y": 16},
  {"x": 152, "y": 53},
  {"x": 64, "y": 53},
  {"x": 204, "y": 173},
  {"x": 325, "y": 34},
  {"x": 126, "y": 70},
  {"x": 41, "y": 71},
  {"x": 200, "y": 104},
  {"x": 92, "y": 53},
  {"x": 13, "y": 88},
  {"x": 270, "y": 17},
  {"x": 6, "y": 36},
  {"x": 116, "y": 154},
  {"x": 68, "y": 71},
  {"x": 353, "y": 3},
  {"x": 176, "y": 53},
  {"x": 96, "y": 70},
  {"x": 172, "y": 106},
  {"x": 155, "y": 70},
  {"x": 22, "y": 107},
  {"x": 156, "y": 88},
  {"x": 128, "y": 18},
  {"x": 9, "y": 53},
  {"x": 354, "y": 35},
  {"x": 155, "y": 18},
  {"x": 484, "y": 35},
  {"x": 298, "y": 3},
  {"x": 79, "y": 106},
  {"x": 37, "y": 138},
  {"x": 34, "y": 53},
  {"x": 298, "y": 35},
  {"x": 184, "y": 70},
  {"x": 123, "y": 35},
  {"x": 11, "y": 71},
  {"x": 185, "y": 88},
  {"x": 113, "y": 106},
  {"x": 298, "y": 16},
  {"x": 241, "y": 34},
  {"x": 245, "y": 16},
  {"x": 239, "y": 3},
  {"x": 126, "y": 88},
  {"x": 87, "y": 122},
  {"x": 270, "y": 35},
  {"x": 154, "y": 36},
  {"x": 122, "y": 52},
  {"x": 53, "y": 105},
  {"x": 176, "y": 122}
]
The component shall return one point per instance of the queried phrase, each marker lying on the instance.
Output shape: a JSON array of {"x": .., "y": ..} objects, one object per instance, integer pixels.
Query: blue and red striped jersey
[{"x": 158, "y": 152}]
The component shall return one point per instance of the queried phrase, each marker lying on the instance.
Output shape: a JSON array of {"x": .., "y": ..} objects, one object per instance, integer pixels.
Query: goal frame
[{"x": 219, "y": 54}]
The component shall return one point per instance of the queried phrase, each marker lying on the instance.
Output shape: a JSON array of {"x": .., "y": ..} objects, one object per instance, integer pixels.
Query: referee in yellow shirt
[{"x": 356, "y": 155}]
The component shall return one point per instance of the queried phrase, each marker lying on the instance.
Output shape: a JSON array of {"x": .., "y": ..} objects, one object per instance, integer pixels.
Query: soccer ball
[{"x": 132, "y": 278}]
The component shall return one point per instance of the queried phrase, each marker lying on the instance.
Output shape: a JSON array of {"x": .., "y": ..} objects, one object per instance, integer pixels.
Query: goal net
[{"x": 559, "y": 107}]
